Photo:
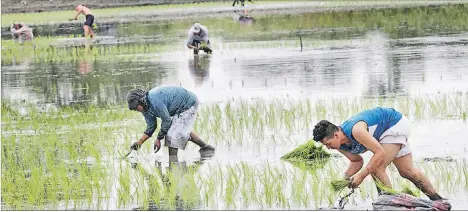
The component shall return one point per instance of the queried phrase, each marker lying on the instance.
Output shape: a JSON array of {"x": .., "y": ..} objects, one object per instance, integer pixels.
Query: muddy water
[{"x": 264, "y": 60}]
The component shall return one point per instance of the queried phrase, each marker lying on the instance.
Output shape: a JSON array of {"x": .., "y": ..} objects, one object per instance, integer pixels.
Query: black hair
[
  {"x": 137, "y": 97},
  {"x": 324, "y": 129}
]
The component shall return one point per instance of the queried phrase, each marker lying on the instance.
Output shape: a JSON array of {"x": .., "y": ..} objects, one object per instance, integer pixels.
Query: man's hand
[
  {"x": 136, "y": 145},
  {"x": 356, "y": 181},
  {"x": 75, "y": 18},
  {"x": 157, "y": 145}
]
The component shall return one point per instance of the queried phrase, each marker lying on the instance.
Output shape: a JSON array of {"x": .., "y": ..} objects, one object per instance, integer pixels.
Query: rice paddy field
[{"x": 65, "y": 126}]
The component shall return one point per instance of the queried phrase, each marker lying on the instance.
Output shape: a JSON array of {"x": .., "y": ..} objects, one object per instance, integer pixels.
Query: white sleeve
[
  {"x": 12, "y": 29},
  {"x": 190, "y": 37}
]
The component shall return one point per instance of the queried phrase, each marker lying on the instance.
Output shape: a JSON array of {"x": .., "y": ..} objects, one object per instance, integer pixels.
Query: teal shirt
[
  {"x": 165, "y": 102},
  {"x": 378, "y": 120}
]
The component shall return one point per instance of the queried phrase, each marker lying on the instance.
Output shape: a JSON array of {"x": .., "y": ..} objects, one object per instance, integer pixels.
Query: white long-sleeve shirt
[{"x": 202, "y": 37}]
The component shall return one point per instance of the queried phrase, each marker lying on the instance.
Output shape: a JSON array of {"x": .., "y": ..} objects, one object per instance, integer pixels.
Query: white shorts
[
  {"x": 398, "y": 134},
  {"x": 182, "y": 124}
]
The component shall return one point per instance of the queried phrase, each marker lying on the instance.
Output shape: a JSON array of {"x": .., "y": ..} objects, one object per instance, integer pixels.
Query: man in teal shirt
[{"x": 177, "y": 109}]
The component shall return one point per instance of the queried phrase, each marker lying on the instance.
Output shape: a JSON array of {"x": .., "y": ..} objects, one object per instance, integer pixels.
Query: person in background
[
  {"x": 88, "y": 24},
  {"x": 21, "y": 32},
  {"x": 177, "y": 108},
  {"x": 198, "y": 39}
]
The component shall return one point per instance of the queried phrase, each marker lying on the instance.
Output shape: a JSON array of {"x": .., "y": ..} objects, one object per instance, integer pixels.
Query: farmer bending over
[
  {"x": 198, "y": 39},
  {"x": 21, "y": 32},
  {"x": 384, "y": 131},
  {"x": 88, "y": 24},
  {"x": 177, "y": 109}
]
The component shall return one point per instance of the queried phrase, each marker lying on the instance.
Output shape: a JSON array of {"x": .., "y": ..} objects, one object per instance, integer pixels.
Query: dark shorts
[{"x": 89, "y": 20}]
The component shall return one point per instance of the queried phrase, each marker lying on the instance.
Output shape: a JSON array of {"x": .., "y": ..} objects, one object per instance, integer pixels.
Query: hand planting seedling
[{"x": 339, "y": 185}]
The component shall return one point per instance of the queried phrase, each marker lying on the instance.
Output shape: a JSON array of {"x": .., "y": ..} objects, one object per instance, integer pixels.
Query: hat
[{"x": 196, "y": 28}]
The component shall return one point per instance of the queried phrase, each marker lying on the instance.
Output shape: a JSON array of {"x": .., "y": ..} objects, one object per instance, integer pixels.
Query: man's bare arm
[
  {"x": 361, "y": 134},
  {"x": 355, "y": 165},
  {"x": 78, "y": 13}
]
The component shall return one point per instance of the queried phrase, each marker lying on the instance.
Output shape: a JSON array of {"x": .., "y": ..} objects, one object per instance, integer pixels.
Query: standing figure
[{"x": 88, "y": 24}]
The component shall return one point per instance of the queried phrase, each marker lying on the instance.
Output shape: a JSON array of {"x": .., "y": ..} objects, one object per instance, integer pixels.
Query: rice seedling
[
  {"x": 307, "y": 152},
  {"x": 74, "y": 163},
  {"x": 339, "y": 185}
]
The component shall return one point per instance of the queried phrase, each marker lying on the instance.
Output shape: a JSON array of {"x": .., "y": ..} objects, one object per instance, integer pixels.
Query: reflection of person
[
  {"x": 88, "y": 24},
  {"x": 240, "y": 1},
  {"x": 177, "y": 109},
  {"x": 21, "y": 32},
  {"x": 199, "y": 68},
  {"x": 384, "y": 131},
  {"x": 198, "y": 39},
  {"x": 244, "y": 17},
  {"x": 85, "y": 66}
]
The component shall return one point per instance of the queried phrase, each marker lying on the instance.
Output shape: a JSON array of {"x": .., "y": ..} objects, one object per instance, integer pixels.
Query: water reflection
[
  {"x": 199, "y": 68},
  {"x": 173, "y": 176},
  {"x": 86, "y": 65},
  {"x": 244, "y": 17},
  {"x": 260, "y": 60}
]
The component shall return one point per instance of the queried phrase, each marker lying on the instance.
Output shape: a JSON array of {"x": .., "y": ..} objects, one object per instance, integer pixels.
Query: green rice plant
[
  {"x": 384, "y": 188},
  {"x": 408, "y": 190},
  {"x": 339, "y": 185},
  {"x": 307, "y": 152}
]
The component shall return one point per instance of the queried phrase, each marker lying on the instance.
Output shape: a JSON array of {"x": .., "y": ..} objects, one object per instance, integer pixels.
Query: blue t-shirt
[
  {"x": 164, "y": 102},
  {"x": 378, "y": 121}
]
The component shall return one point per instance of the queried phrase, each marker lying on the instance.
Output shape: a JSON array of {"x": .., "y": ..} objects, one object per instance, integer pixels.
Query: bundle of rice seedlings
[
  {"x": 338, "y": 185},
  {"x": 385, "y": 189},
  {"x": 306, "y": 152}
]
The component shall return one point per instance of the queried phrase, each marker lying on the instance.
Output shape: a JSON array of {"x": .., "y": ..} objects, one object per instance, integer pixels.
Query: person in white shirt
[{"x": 198, "y": 39}]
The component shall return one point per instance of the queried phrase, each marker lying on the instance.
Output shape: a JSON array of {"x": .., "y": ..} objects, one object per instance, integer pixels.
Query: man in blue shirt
[
  {"x": 384, "y": 131},
  {"x": 177, "y": 109}
]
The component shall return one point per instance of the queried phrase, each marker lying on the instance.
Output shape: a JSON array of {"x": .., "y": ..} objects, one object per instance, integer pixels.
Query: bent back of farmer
[
  {"x": 21, "y": 32},
  {"x": 176, "y": 99},
  {"x": 177, "y": 108},
  {"x": 378, "y": 120}
]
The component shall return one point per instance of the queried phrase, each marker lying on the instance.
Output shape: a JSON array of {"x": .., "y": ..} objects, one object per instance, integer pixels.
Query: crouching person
[
  {"x": 198, "y": 39},
  {"x": 21, "y": 32},
  {"x": 177, "y": 108},
  {"x": 383, "y": 131}
]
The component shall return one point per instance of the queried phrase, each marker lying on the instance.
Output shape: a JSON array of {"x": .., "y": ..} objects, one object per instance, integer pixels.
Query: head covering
[
  {"x": 196, "y": 28},
  {"x": 137, "y": 97}
]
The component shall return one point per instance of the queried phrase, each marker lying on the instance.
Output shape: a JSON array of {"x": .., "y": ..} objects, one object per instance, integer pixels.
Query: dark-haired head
[
  {"x": 328, "y": 134},
  {"x": 136, "y": 99}
]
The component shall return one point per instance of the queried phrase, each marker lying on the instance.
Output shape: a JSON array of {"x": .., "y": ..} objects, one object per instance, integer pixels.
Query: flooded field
[{"x": 66, "y": 126}]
